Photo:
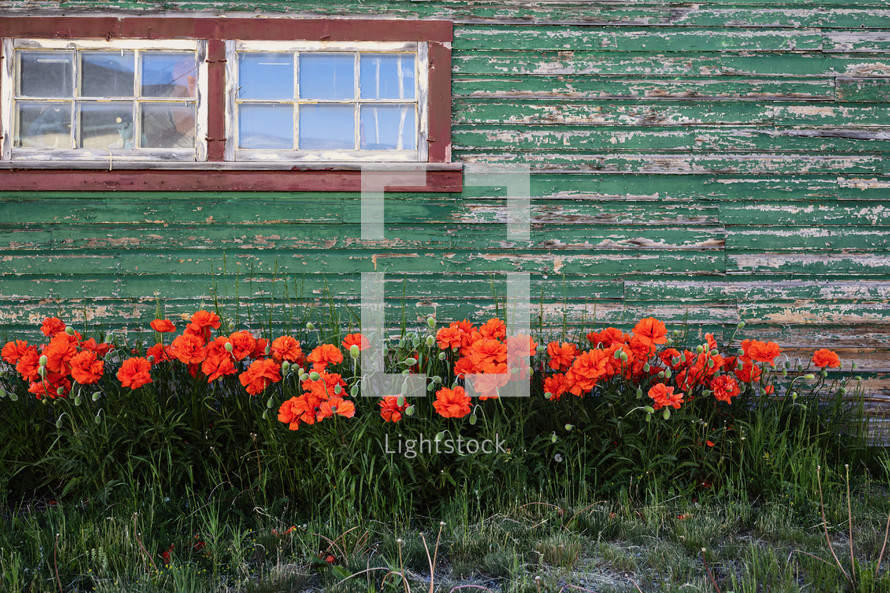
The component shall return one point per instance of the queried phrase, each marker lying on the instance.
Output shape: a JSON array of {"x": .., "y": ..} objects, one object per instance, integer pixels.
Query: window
[
  {"x": 90, "y": 100},
  {"x": 267, "y": 104}
]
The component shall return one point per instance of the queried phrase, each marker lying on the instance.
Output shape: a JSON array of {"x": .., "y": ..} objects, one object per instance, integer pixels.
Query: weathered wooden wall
[{"x": 718, "y": 162}]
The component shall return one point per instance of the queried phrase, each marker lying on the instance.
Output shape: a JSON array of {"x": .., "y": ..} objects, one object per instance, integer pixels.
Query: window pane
[
  {"x": 43, "y": 125},
  {"x": 327, "y": 127},
  {"x": 387, "y": 76},
  {"x": 265, "y": 126},
  {"x": 168, "y": 125},
  {"x": 384, "y": 125},
  {"x": 168, "y": 74},
  {"x": 107, "y": 74},
  {"x": 46, "y": 73},
  {"x": 266, "y": 76},
  {"x": 106, "y": 125},
  {"x": 327, "y": 76}
]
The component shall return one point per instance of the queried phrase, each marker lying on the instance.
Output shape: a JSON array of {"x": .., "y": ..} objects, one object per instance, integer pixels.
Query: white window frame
[
  {"x": 421, "y": 77},
  {"x": 9, "y": 152}
]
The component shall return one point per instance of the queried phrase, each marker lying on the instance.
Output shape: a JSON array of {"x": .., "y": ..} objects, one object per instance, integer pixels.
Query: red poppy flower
[
  {"x": 763, "y": 351},
  {"x": 188, "y": 348},
  {"x": 163, "y": 326},
  {"x": 219, "y": 361},
  {"x": 51, "y": 326},
  {"x": 607, "y": 337},
  {"x": 588, "y": 368},
  {"x": 390, "y": 410},
  {"x": 86, "y": 369},
  {"x": 296, "y": 411},
  {"x": 135, "y": 372},
  {"x": 49, "y": 387},
  {"x": 651, "y": 330},
  {"x": 355, "y": 339},
  {"x": 493, "y": 328},
  {"x": 452, "y": 403},
  {"x": 664, "y": 396},
  {"x": 243, "y": 344},
  {"x": 259, "y": 375},
  {"x": 724, "y": 388},
  {"x": 324, "y": 355},
  {"x": 825, "y": 358},
  {"x": 201, "y": 324},
  {"x": 28, "y": 364},
  {"x": 555, "y": 385},
  {"x": 336, "y": 405},
  {"x": 93, "y": 346},
  {"x": 13, "y": 351},
  {"x": 286, "y": 348},
  {"x": 158, "y": 354}
]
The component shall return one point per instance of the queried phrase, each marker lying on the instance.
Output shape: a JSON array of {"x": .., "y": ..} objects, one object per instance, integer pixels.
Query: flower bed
[{"x": 620, "y": 406}]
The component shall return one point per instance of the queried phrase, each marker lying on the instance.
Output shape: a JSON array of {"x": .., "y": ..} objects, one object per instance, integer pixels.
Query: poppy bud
[
  {"x": 472, "y": 419},
  {"x": 69, "y": 330},
  {"x": 43, "y": 360},
  {"x": 854, "y": 365},
  {"x": 310, "y": 326},
  {"x": 410, "y": 362},
  {"x": 568, "y": 427},
  {"x": 431, "y": 322},
  {"x": 784, "y": 373},
  {"x": 842, "y": 390},
  {"x": 354, "y": 351},
  {"x": 268, "y": 349},
  {"x": 793, "y": 395},
  {"x": 314, "y": 376},
  {"x": 406, "y": 372},
  {"x": 666, "y": 414},
  {"x": 740, "y": 352},
  {"x": 400, "y": 401},
  {"x": 77, "y": 400},
  {"x": 304, "y": 376},
  {"x": 409, "y": 411},
  {"x": 285, "y": 366},
  {"x": 439, "y": 436},
  {"x": 617, "y": 355},
  {"x": 741, "y": 325},
  {"x": 648, "y": 417},
  {"x": 60, "y": 391},
  {"x": 402, "y": 343},
  {"x": 710, "y": 363},
  {"x": 437, "y": 379},
  {"x": 270, "y": 403},
  {"x": 2, "y": 392},
  {"x": 96, "y": 395},
  {"x": 98, "y": 418},
  {"x": 430, "y": 341},
  {"x": 431, "y": 386},
  {"x": 809, "y": 377},
  {"x": 646, "y": 367},
  {"x": 675, "y": 360},
  {"x": 667, "y": 373},
  {"x": 151, "y": 358},
  {"x": 337, "y": 389},
  {"x": 649, "y": 409},
  {"x": 699, "y": 349},
  {"x": 706, "y": 393},
  {"x": 714, "y": 352},
  {"x": 639, "y": 393},
  {"x": 59, "y": 422},
  {"x": 661, "y": 375},
  {"x": 41, "y": 371},
  {"x": 13, "y": 397},
  {"x": 623, "y": 355},
  {"x": 553, "y": 438},
  {"x": 441, "y": 356},
  {"x": 824, "y": 373}
]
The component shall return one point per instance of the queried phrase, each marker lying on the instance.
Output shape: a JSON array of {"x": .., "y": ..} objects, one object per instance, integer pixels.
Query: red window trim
[{"x": 442, "y": 175}]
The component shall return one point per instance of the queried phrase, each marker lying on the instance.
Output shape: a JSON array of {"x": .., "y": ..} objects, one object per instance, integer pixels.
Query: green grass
[{"x": 221, "y": 544}]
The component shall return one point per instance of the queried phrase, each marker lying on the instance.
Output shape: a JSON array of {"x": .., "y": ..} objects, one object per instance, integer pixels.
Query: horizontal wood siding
[{"x": 708, "y": 163}]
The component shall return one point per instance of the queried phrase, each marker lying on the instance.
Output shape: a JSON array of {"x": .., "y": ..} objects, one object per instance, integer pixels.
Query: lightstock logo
[{"x": 514, "y": 181}]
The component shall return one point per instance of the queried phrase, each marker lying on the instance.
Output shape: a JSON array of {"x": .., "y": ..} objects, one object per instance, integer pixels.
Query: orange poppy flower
[
  {"x": 259, "y": 350},
  {"x": 664, "y": 396},
  {"x": 218, "y": 361},
  {"x": 93, "y": 346},
  {"x": 163, "y": 326},
  {"x": 493, "y": 328},
  {"x": 749, "y": 373},
  {"x": 452, "y": 403},
  {"x": 336, "y": 405},
  {"x": 28, "y": 364},
  {"x": 651, "y": 331},
  {"x": 259, "y": 375},
  {"x": 188, "y": 348},
  {"x": 390, "y": 410},
  {"x": 489, "y": 379},
  {"x": 286, "y": 348},
  {"x": 296, "y": 411},
  {"x": 588, "y": 368},
  {"x": 561, "y": 355},
  {"x": 607, "y": 337},
  {"x": 324, "y": 355},
  {"x": 158, "y": 354},
  {"x": 355, "y": 339},
  {"x": 520, "y": 346},
  {"x": 86, "y": 369},
  {"x": 725, "y": 388},
  {"x": 243, "y": 344},
  {"x": 487, "y": 351},
  {"x": 13, "y": 351},
  {"x": 59, "y": 352},
  {"x": 825, "y": 358},
  {"x": 135, "y": 372},
  {"x": 763, "y": 351},
  {"x": 325, "y": 386},
  {"x": 49, "y": 388},
  {"x": 51, "y": 326},
  {"x": 201, "y": 324},
  {"x": 555, "y": 385}
]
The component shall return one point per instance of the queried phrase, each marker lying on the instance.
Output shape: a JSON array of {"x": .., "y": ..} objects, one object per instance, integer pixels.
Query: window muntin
[
  {"x": 97, "y": 100},
  {"x": 325, "y": 101}
]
